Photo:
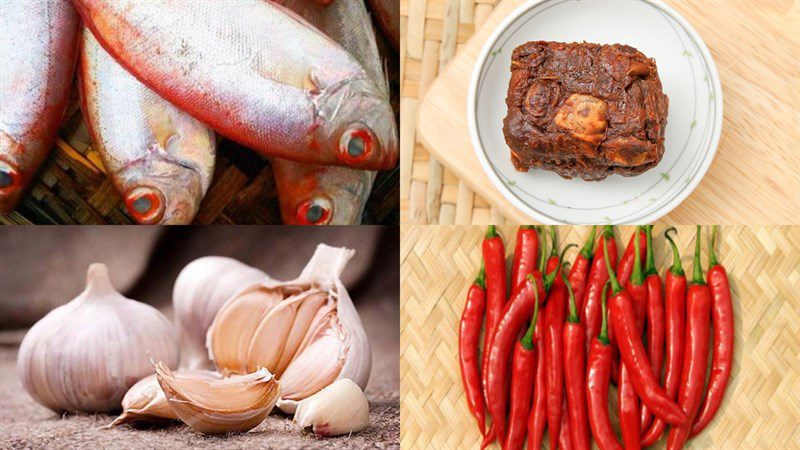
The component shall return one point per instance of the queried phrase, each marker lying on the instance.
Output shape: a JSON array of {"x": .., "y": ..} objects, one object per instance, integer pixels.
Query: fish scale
[{"x": 251, "y": 86}]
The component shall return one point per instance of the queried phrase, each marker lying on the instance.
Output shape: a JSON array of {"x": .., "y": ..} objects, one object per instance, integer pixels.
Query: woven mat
[
  {"x": 760, "y": 409},
  {"x": 431, "y": 31}
]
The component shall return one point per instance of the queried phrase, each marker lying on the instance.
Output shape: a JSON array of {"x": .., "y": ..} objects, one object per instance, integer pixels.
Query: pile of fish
[{"x": 300, "y": 82}]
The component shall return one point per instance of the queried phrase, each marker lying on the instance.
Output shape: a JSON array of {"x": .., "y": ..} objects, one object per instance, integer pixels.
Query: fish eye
[
  {"x": 356, "y": 143},
  {"x": 317, "y": 211},
  {"x": 8, "y": 176},
  {"x": 145, "y": 204}
]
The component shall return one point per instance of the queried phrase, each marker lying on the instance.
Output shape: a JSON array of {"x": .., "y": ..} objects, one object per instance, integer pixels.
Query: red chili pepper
[
  {"x": 468, "y": 338},
  {"x": 598, "y": 276},
  {"x": 523, "y": 368},
  {"x": 525, "y": 253},
  {"x": 675, "y": 283},
  {"x": 494, "y": 260},
  {"x": 555, "y": 313},
  {"x": 655, "y": 319},
  {"x": 598, "y": 378},
  {"x": 580, "y": 269},
  {"x": 623, "y": 319},
  {"x": 574, "y": 375},
  {"x": 565, "y": 439},
  {"x": 628, "y": 401},
  {"x": 553, "y": 260},
  {"x": 698, "y": 333},
  {"x": 538, "y": 416},
  {"x": 515, "y": 314},
  {"x": 722, "y": 357}
]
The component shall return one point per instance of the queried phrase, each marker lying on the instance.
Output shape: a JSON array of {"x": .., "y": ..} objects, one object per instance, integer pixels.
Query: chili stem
[
  {"x": 712, "y": 255},
  {"x": 491, "y": 232},
  {"x": 554, "y": 250},
  {"x": 481, "y": 279},
  {"x": 612, "y": 277},
  {"x": 573, "y": 310},
  {"x": 637, "y": 279},
  {"x": 603, "y": 336},
  {"x": 588, "y": 246},
  {"x": 697, "y": 275},
  {"x": 543, "y": 256},
  {"x": 650, "y": 262},
  {"x": 527, "y": 340},
  {"x": 677, "y": 267}
]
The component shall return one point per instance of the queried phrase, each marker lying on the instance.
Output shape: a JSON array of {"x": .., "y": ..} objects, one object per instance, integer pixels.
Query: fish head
[
  {"x": 359, "y": 126},
  {"x": 12, "y": 178},
  {"x": 321, "y": 195},
  {"x": 161, "y": 191}
]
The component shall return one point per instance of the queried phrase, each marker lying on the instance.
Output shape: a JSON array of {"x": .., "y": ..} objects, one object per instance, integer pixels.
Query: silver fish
[
  {"x": 160, "y": 158},
  {"x": 254, "y": 72},
  {"x": 38, "y": 49},
  {"x": 311, "y": 194}
]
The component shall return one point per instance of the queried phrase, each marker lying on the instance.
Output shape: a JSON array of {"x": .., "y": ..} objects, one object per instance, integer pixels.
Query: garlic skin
[
  {"x": 145, "y": 401},
  {"x": 306, "y": 331},
  {"x": 230, "y": 405},
  {"x": 201, "y": 289},
  {"x": 83, "y": 356},
  {"x": 341, "y": 408}
]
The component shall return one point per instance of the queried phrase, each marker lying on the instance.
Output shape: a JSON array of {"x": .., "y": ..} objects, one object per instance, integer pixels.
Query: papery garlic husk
[
  {"x": 341, "y": 408},
  {"x": 84, "y": 356},
  {"x": 201, "y": 289},
  {"x": 145, "y": 401},
  {"x": 229, "y": 405},
  {"x": 306, "y": 331}
]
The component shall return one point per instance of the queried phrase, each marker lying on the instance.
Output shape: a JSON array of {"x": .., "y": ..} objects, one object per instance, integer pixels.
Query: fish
[
  {"x": 39, "y": 47},
  {"x": 313, "y": 194},
  {"x": 254, "y": 72},
  {"x": 159, "y": 158}
]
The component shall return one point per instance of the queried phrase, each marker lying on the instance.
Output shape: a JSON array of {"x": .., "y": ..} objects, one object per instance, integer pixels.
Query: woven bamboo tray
[
  {"x": 760, "y": 409},
  {"x": 72, "y": 186},
  {"x": 431, "y": 33},
  {"x": 754, "y": 173}
]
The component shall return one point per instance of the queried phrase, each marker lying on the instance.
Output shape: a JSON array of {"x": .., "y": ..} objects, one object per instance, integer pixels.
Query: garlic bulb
[
  {"x": 145, "y": 400},
  {"x": 306, "y": 331},
  {"x": 201, "y": 289},
  {"x": 340, "y": 408},
  {"x": 83, "y": 356},
  {"x": 234, "y": 404}
]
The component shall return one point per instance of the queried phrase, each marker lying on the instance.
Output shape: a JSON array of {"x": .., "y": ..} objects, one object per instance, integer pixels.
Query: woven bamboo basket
[
  {"x": 431, "y": 32},
  {"x": 72, "y": 186},
  {"x": 760, "y": 409}
]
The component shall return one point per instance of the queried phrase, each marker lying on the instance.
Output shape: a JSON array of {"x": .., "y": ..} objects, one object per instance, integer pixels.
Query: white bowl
[{"x": 688, "y": 75}]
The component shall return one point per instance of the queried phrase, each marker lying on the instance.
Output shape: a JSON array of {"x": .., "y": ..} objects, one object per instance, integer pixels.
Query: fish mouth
[
  {"x": 11, "y": 187},
  {"x": 145, "y": 204}
]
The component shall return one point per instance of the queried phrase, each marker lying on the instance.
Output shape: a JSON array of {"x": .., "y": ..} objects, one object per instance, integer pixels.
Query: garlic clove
[
  {"x": 145, "y": 400},
  {"x": 85, "y": 355},
  {"x": 281, "y": 332},
  {"x": 232, "y": 329},
  {"x": 235, "y": 404},
  {"x": 341, "y": 408},
  {"x": 202, "y": 288}
]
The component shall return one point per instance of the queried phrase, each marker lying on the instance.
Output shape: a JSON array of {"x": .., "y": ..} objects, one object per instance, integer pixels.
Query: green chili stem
[
  {"x": 650, "y": 261},
  {"x": 712, "y": 255},
  {"x": 697, "y": 276},
  {"x": 612, "y": 277},
  {"x": 637, "y": 279},
  {"x": 543, "y": 252},
  {"x": 603, "y": 336},
  {"x": 573, "y": 309},
  {"x": 677, "y": 267},
  {"x": 527, "y": 340},
  {"x": 491, "y": 232},
  {"x": 554, "y": 250},
  {"x": 481, "y": 279},
  {"x": 588, "y": 246}
]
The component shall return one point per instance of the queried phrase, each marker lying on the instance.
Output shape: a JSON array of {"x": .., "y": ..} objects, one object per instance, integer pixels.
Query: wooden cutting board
[{"x": 755, "y": 175}]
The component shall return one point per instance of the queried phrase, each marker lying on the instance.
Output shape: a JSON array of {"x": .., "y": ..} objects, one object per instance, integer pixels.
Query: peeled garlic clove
[
  {"x": 145, "y": 400},
  {"x": 83, "y": 356},
  {"x": 202, "y": 288},
  {"x": 306, "y": 331},
  {"x": 340, "y": 408},
  {"x": 229, "y": 405}
]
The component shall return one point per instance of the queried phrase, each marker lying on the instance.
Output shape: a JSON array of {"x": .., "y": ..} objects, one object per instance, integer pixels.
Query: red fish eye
[
  {"x": 145, "y": 204},
  {"x": 8, "y": 177},
  {"x": 314, "y": 212},
  {"x": 356, "y": 144}
]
